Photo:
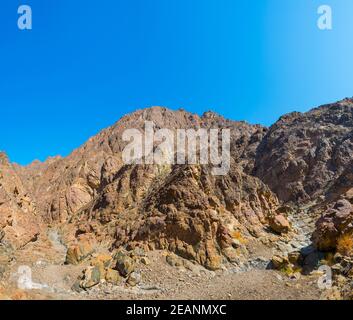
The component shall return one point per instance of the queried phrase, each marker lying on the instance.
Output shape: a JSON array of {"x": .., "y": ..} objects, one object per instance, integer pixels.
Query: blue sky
[{"x": 86, "y": 63}]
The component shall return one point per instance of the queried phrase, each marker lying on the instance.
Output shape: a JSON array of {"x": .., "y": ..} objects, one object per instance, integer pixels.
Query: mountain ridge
[{"x": 92, "y": 194}]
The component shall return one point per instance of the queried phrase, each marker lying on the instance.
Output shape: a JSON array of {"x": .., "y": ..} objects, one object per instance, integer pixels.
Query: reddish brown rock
[
  {"x": 334, "y": 223},
  {"x": 307, "y": 155},
  {"x": 184, "y": 208},
  {"x": 19, "y": 223},
  {"x": 279, "y": 224}
]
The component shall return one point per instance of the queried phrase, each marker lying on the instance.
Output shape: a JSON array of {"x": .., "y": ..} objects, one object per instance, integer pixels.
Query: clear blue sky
[{"x": 86, "y": 63}]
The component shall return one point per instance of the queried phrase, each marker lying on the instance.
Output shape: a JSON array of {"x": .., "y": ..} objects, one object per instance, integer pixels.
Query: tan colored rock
[
  {"x": 184, "y": 209},
  {"x": 279, "y": 262},
  {"x": 124, "y": 264},
  {"x": 279, "y": 224},
  {"x": 307, "y": 155},
  {"x": 19, "y": 224},
  {"x": 134, "y": 279},
  {"x": 112, "y": 276},
  {"x": 78, "y": 252},
  {"x": 174, "y": 260},
  {"x": 91, "y": 277}
]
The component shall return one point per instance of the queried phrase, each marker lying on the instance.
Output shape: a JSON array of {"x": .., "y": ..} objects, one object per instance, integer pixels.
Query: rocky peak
[
  {"x": 302, "y": 158},
  {"x": 304, "y": 154}
]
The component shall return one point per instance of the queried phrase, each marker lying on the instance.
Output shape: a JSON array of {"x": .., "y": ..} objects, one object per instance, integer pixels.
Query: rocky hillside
[
  {"x": 92, "y": 196},
  {"x": 183, "y": 208},
  {"x": 18, "y": 222},
  {"x": 308, "y": 157}
]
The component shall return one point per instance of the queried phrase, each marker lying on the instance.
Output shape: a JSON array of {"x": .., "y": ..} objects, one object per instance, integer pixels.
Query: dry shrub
[
  {"x": 345, "y": 244},
  {"x": 329, "y": 259},
  {"x": 238, "y": 236}
]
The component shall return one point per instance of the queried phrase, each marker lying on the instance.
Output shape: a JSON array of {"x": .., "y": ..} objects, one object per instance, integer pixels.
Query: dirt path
[{"x": 159, "y": 280}]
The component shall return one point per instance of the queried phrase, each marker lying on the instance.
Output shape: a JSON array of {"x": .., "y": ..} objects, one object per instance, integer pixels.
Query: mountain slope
[
  {"x": 92, "y": 194},
  {"x": 307, "y": 155}
]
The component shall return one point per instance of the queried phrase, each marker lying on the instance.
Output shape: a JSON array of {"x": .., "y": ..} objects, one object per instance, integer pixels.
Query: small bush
[
  {"x": 345, "y": 244},
  {"x": 238, "y": 236}
]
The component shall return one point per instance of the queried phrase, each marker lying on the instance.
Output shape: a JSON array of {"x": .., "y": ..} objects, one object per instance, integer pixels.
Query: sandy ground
[{"x": 159, "y": 281}]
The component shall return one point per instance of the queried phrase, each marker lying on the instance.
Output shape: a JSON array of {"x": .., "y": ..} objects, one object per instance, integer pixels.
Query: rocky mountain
[
  {"x": 303, "y": 162},
  {"x": 182, "y": 208}
]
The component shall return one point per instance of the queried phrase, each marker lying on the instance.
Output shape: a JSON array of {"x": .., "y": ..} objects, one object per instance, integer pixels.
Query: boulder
[
  {"x": 102, "y": 261},
  {"x": 335, "y": 222},
  {"x": 124, "y": 264},
  {"x": 295, "y": 257},
  {"x": 91, "y": 277},
  {"x": 145, "y": 261},
  {"x": 279, "y": 262},
  {"x": 279, "y": 224},
  {"x": 78, "y": 252},
  {"x": 134, "y": 279},
  {"x": 112, "y": 276}
]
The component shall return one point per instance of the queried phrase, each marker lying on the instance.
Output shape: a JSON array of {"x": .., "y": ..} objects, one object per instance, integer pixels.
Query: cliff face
[
  {"x": 302, "y": 158},
  {"x": 63, "y": 186}
]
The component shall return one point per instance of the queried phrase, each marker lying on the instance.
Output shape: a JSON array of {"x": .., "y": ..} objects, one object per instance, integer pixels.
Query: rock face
[
  {"x": 63, "y": 186},
  {"x": 305, "y": 156},
  {"x": 335, "y": 223},
  {"x": 18, "y": 222},
  {"x": 185, "y": 209},
  {"x": 182, "y": 208},
  {"x": 279, "y": 224}
]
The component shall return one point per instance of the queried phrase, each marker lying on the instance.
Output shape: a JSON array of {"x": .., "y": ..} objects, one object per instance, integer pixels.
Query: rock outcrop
[
  {"x": 307, "y": 155},
  {"x": 335, "y": 223},
  {"x": 18, "y": 222},
  {"x": 96, "y": 198}
]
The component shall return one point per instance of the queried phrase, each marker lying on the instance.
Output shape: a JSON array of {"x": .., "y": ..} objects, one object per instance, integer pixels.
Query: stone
[
  {"x": 335, "y": 222},
  {"x": 124, "y": 264},
  {"x": 77, "y": 287},
  {"x": 91, "y": 277},
  {"x": 295, "y": 276},
  {"x": 295, "y": 257},
  {"x": 112, "y": 276},
  {"x": 78, "y": 252},
  {"x": 102, "y": 262},
  {"x": 312, "y": 261},
  {"x": 279, "y": 224},
  {"x": 279, "y": 262},
  {"x": 134, "y": 279},
  {"x": 307, "y": 250},
  {"x": 173, "y": 260}
]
